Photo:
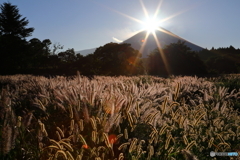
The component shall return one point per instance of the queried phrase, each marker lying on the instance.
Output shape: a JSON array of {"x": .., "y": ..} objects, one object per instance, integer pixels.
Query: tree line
[{"x": 21, "y": 56}]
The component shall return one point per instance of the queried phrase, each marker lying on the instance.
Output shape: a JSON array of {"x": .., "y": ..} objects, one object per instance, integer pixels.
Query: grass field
[{"x": 118, "y": 118}]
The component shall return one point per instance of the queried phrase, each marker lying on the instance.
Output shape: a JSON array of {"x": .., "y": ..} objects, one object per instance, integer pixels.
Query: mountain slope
[
  {"x": 164, "y": 37},
  {"x": 86, "y": 51}
]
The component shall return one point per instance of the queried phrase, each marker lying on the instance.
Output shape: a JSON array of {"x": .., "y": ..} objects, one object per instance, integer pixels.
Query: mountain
[
  {"x": 86, "y": 51},
  {"x": 164, "y": 37}
]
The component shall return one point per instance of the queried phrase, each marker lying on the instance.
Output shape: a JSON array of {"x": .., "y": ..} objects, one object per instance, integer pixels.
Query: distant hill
[
  {"x": 164, "y": 37},
  {"x": 86, "y": 51}
]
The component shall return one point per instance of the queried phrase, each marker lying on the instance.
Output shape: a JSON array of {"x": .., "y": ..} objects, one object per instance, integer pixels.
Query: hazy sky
[{"x": 85, "y": 24}]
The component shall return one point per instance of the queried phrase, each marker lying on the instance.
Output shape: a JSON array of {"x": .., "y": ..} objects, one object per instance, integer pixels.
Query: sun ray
[
  {"x": 161, "y": 53},
  {"x": 132, "y": 18},
  {"x": 125, "y": 15},
  {"x": 158, "y": 8},
  {"x": 172, "y": 16},
  {"x": 152, "y": 30},
  {"x": 167, "y": 32},
  {"x": 144, "y": 43},
  {"x": 179, "y": 13},
  {"x": 142, "y": 46},
  {"x": 144, "y": 9}
]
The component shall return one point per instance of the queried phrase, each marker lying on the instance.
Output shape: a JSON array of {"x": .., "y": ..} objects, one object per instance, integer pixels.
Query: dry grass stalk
[
  {"x": 6, "y": 137},
  {"x": 136, "y": 100},
  {"x": 119, "y": 136},
  {"x": 82, "y": 139},
  {"x": 93, "y": 123},
  {"x": 52, "y": 147},
  {"x": 105, "y": 136},
  {"x": 188, "y": 155},
  {"x": 117, "y": 118},
  {"x": 125, "y": 133},
  {"x": 70, "y": 157},
  {"x": 79, "y": 157},
  {"x": 19, "y": 121},
  {"x": 123, "y": 145},
  {"x": 185, "y": 140},
  {"x": 62, "y": 153},
  {"x": 94, "y": 136},
  {"x": 162, "y": 130},
  {"x": 199, "y": 118},
  {"x": 70, "y": 111},
  {"x": 68, "y": 146},
  {"x": 55, "y": 143},
  {"x": 120, "y": 157},
  {"x": 132, "y": 145},
  {"x": 164, "y": 105},
  {"x": 169, "y": 137},
  {"x": 80, "y": 124},
  {"x": 177, "y": 91},
  {"x": 169, "y": 151},
  {"x": 60, "y": 131},
  {"x": 224, "y": 144},
  {"x": 72, "y": 125},
  {"x": 175, "y": 113},
  {"x": 152, "y": 117},
  {"x": 151, "y": 150},
  {"x": 190, "y": 145},
  {"x": 137, "y": 110},
  {"x": 58, "y": 135},
  {"x": 221, "y": 138}
]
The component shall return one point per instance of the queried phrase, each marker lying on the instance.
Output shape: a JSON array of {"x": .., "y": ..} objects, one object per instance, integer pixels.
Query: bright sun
[{"x": 151, "y": 25}]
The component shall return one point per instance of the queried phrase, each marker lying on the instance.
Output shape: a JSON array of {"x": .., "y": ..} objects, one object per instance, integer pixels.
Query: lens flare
[
  {"x": 85, "y": 146},
  {"x": 112, "y": 138}
]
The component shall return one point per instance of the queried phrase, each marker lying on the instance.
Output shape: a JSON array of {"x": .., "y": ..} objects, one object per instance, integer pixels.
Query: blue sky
[{"x": 85, "y": 24}]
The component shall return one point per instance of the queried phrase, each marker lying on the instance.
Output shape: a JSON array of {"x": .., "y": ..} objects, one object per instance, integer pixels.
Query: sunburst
[{"x": 151, "y": 25}]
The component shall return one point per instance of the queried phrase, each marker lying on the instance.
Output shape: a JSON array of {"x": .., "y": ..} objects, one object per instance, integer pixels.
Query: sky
[{"x": 86, "y": 24}]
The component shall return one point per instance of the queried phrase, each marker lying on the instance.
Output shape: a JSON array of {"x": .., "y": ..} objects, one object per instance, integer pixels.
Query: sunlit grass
[{"x": 142, "y": 117}]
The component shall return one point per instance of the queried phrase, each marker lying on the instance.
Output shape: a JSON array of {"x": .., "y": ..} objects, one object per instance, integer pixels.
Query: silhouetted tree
[
  {"x": 56, "y": 47},
  {"x": 68, "y": 59},
  {"x": 11, "y": 22},
  {"x": 39, "y": 52},
  {"x": 222, "y": 60},
  {"x": 67, "y": 56},
  {"x": 222, "y": 65},
  {"x": 78, "y": 64},
  {"x": 176, "y": 59},
  {"x": 116, "y": 59},
  {"x": 13, "y": 44},
  {"x": 89, "y": 66}
]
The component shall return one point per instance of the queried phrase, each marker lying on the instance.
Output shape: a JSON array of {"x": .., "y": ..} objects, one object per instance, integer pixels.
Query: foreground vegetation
[{"x": 105, "y": 118}]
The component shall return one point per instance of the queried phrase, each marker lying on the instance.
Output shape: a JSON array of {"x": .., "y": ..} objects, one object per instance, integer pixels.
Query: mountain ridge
[
  {"x": 164, "y": 37},
  {"x": 137, "y": 41}
]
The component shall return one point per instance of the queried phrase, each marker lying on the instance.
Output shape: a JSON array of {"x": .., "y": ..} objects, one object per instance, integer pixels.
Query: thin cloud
[{"x": 117, "y": 40}]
